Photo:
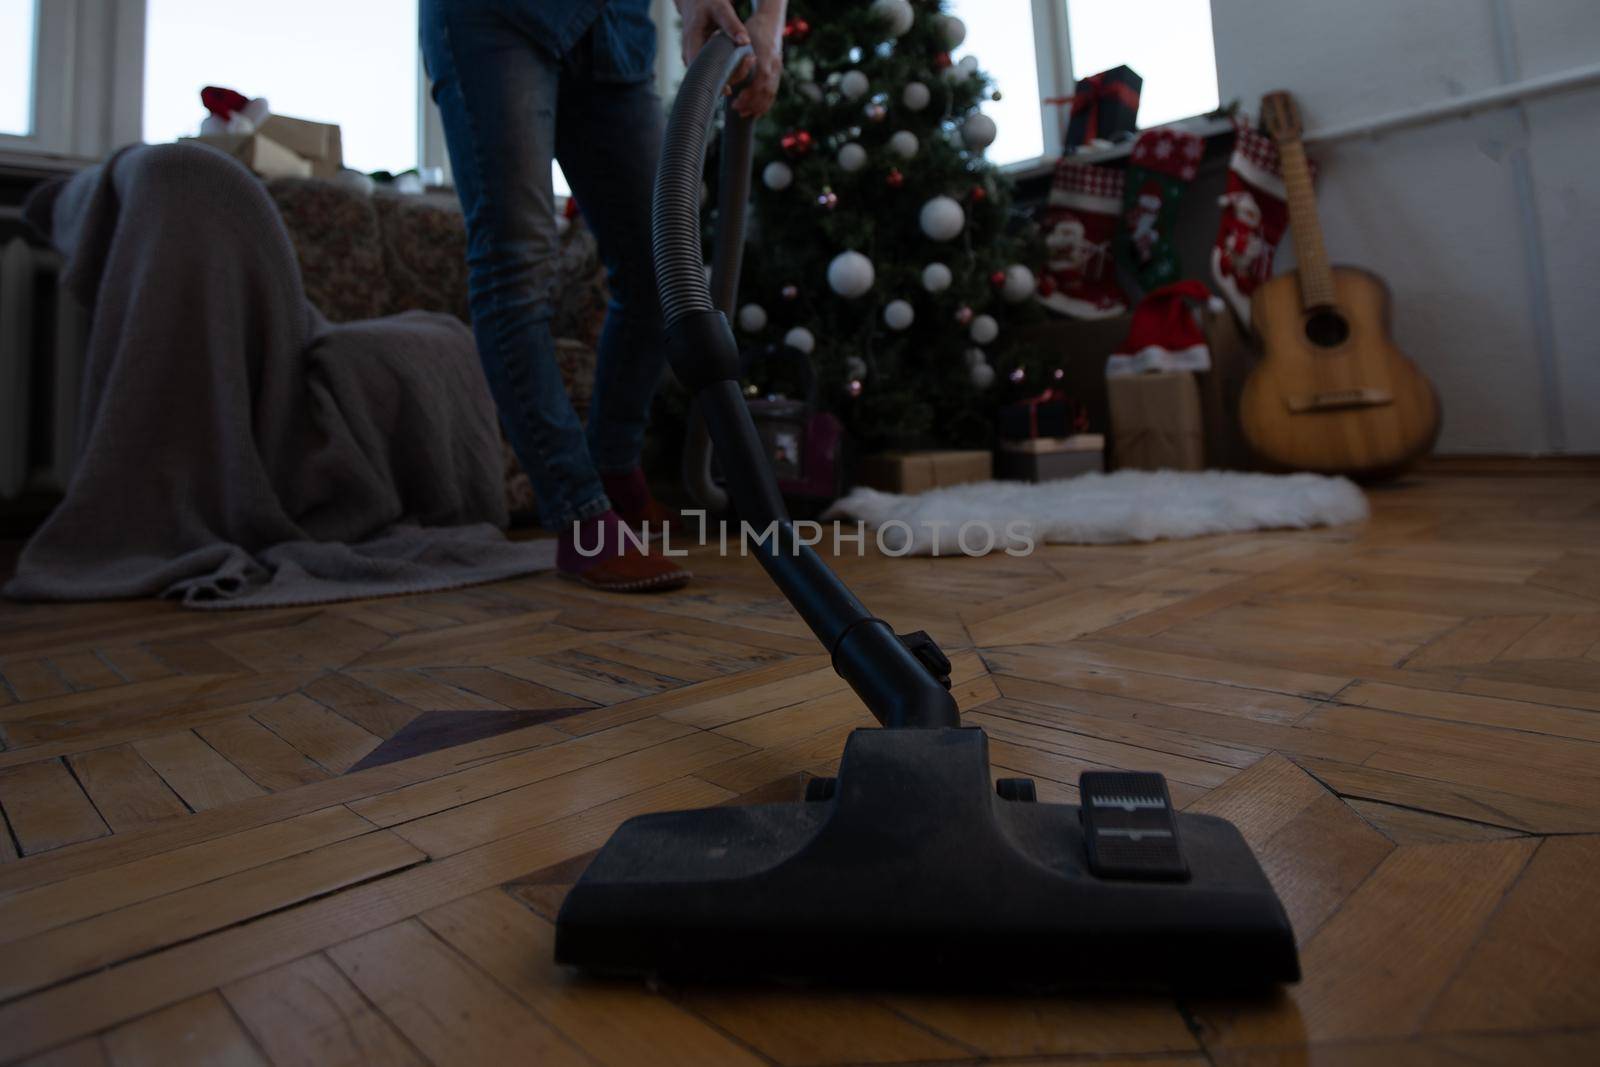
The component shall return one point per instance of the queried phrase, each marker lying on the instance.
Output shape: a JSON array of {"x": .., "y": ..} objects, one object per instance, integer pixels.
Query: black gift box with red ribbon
[
  {"x": 1050, "y": 414},
  {"x": 1104, "y": 106}
]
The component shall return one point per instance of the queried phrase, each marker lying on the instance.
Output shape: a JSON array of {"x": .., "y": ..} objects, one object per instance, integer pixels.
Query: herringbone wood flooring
[{"x": 339, "y": 835}]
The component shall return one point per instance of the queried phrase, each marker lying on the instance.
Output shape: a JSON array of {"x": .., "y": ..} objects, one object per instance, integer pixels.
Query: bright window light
[
  {"x": 1000, "y": 35},
  {"x": 16, "y": 67},
  {"x": 1167, "y": 42},
  {"x": 351, "y": 62}
]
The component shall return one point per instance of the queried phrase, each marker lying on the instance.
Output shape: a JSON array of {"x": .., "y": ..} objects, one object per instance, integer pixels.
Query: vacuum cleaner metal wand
[
  {"x": 910, "y": 867},
  {"x": 900, "y": 684}
]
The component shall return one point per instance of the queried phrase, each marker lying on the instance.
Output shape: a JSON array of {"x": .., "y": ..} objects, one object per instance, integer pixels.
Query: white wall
[{"x": 1487, "y": 227}]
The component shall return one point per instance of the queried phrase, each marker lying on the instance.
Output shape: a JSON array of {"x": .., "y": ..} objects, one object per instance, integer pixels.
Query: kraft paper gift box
[
  {"x": 1155, "y": 422},
  {"x": 916, "y": 472}
]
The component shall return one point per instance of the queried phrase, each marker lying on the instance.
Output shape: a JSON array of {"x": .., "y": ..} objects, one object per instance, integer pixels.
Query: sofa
[{"x": 363, "y": 256}]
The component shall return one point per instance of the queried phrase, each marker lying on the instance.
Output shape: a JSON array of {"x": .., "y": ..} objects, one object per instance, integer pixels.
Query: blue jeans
[{"x": 509, "y": 109}]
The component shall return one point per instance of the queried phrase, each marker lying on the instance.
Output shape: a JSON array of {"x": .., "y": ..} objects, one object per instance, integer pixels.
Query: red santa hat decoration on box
[
  {"x": 231, "y": 112},
  {"x": 1165, "y": 333}
]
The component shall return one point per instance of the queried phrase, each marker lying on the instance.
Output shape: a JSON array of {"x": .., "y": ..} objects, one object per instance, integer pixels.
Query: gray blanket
[{"x": 237, "y": 449}]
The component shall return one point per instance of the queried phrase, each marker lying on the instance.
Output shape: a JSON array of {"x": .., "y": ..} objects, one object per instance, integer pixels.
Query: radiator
[{"x": 43, "y": 332}]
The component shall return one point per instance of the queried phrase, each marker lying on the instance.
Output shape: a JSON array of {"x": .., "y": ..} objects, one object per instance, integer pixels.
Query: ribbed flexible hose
[{"x": 675, "y": 229}]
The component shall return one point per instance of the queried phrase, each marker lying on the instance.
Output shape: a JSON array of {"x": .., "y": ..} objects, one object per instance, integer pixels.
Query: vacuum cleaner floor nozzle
[{"x": 913, "y": 870}]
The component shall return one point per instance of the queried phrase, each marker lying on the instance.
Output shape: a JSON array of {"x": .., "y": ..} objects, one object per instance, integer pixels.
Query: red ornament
[
  {"x": 964, "y": 315},
  {"x": 978, "y": 194},
  {"x": 1046, "y": 285},
  {"x": 796, "y": 30},
  {"x": 894, "y": 179},
  {"x": 998, "y": 279},
  {"x": 941, "y": 61},
  {"x": 796, "y": 143}
]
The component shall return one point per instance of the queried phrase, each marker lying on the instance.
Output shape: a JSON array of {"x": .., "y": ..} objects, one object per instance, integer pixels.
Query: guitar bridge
[{"x": 1338, "y": 399}]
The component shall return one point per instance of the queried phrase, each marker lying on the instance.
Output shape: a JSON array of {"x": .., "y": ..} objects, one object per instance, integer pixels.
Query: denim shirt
[{"x": 624, "y": 35}]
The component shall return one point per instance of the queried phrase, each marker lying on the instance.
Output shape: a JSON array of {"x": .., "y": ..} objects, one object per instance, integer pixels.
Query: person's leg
[
  {"x": 608, "y": 138},
  {"x": 498, "y": 95}
]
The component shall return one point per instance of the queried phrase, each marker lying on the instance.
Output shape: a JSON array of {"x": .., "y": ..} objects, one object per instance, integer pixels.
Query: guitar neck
[{"x": 1316, "y": 276}]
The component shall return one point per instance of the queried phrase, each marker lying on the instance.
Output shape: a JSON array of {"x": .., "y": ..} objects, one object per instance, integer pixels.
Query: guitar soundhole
[{"x": 1326, "y": 328}]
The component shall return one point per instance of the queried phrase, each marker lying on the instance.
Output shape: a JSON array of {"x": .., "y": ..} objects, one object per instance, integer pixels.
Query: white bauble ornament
[
  {"x": 903, "y": 143},
  {"x": 854, "y": 85},
  {"x": 1019, "y": 284},
  {"x": 777, "y": 175},
  {"x": 850, "y": 274},
  {"x": 855, "y": 367},
  {"x": 916, "y": 96},
  {"x": 969, "y": 64},
  {"x": 982, "y": 376},
  {"x": 898, "y": 315},
  {"x": 852, "y": 157},
  {"x": 811, "y": 91},
  {"x": 951, "y": 30},
  {"x": 752, "y": 318},
  {"x": 984, "y": 329},
  {"x": 895, "y": 15},
  {"x": 936, "y": 277},
  {"x": 942, "y": 218},
  {"x": 801, "y": 339},
  {"x": 978, "y": 131},
  {"x": 974, "y": 357}
]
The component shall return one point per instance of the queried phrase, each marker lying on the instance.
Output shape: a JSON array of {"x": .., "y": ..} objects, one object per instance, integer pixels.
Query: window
[
  {"x": 1166, "y": 42},
  {"x": 353, "y": 62},
  {"x": 16, "y": 66},
  {"x": 1036, "y": 49},
  {"x": 1000, "y": 35}
]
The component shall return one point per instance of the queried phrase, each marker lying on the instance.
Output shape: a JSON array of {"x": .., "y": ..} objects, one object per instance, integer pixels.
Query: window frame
[{"x": 88, "y": 79}]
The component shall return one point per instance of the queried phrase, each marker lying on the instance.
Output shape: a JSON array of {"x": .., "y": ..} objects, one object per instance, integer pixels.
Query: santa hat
[
  {"x": 1165, "y": 334},
  {"x": 231, "y": 111}
]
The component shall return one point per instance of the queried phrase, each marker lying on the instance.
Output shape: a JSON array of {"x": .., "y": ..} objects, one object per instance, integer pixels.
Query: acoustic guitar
[{"x": 1332, "y": 393}]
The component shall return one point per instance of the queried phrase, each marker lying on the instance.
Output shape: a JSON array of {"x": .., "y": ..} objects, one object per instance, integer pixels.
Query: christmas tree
[{"x": 881, "y": 241}]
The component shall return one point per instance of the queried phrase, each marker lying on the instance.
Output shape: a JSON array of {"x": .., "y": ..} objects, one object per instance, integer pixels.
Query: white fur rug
[{"x": 1099, "y": 509}]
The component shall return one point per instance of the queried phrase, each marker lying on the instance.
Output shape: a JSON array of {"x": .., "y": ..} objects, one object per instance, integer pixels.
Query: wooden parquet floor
[{"x": 339, "y": 835}]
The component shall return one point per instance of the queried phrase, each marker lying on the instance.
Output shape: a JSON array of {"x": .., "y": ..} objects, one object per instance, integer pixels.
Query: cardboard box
[
  {"x": 1047, "y": 459},
  {"x": 1155, "y": 422},
  {"x": 917, "y": 472},
  {"x": 318, "y": 142},
  {"x": 260, "y": 153}
]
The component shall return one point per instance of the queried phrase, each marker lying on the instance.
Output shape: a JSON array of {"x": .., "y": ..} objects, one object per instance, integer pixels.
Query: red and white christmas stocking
[
  {"x": 1080, "y": 222},
  {"x": 1254, "y": 216},
  {"x": 1163, "y": 164}
]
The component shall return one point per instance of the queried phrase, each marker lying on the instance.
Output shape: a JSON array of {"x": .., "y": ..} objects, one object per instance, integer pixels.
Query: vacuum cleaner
[{"x": 912, "y": 867}]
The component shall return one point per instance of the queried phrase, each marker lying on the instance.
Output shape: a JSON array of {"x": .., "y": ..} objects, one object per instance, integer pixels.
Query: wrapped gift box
[
  {"x": 1046, "y": 459},
  {"x": 260, "y": 153},
  {"x": 1104, "y": 106},
  {"x": 917, "y": 472},
  {"x": 320, "y": 143},
  {"x": 1156, "y": 423},
  {"x": 1050, "y": 414}
]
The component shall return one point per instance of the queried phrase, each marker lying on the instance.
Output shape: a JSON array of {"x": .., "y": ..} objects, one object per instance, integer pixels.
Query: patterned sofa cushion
[
  {"x": 424, "y": 253},
  {"x": 336, "y": 237}
]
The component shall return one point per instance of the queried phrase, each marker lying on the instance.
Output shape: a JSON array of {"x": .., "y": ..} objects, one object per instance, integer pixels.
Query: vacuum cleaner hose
[
  {"x": 675, "y": 236},
  {"x": 901, "y": 687}
]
